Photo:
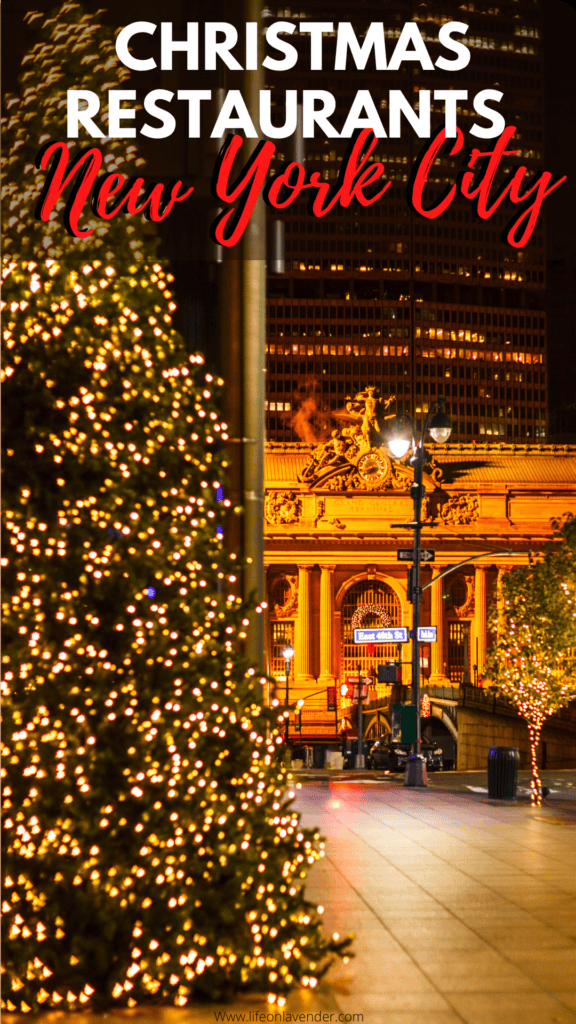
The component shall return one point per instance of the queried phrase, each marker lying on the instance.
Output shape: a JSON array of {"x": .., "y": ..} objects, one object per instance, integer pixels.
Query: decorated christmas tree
[
  {"x": 151, "y": 849},
  {"x": 531, "y": 663}
]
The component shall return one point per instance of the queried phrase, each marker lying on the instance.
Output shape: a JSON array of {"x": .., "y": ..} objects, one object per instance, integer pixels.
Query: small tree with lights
[
  {"x": 150, "y": 847},
  {"x": 532, "y": 662}
]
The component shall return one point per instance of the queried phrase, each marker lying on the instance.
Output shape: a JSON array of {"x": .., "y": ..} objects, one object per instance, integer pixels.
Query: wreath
[{"x": 370, "y": 609}]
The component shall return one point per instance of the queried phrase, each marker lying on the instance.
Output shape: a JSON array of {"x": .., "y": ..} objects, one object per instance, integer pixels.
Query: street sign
[
  {"x": 392, "y": 635},
  {"x": 427, "y": 634},
  {"x": 331, "y": 698},
  {"x": 407, "y": 555}
]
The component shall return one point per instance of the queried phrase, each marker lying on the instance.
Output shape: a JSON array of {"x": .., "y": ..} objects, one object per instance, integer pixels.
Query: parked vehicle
[
  {"x": 434, "y": 756},
  {"x": 393, "y": 756}
]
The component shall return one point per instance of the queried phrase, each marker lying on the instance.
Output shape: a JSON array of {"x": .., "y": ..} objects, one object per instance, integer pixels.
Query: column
[
  {"x": 302, "y": 638},
  {"x": 478, "y": 652},
  {"x": 437, "y": 674},
  {"x": 502, "y": 570},
  {"x": 327, "y": 677}
]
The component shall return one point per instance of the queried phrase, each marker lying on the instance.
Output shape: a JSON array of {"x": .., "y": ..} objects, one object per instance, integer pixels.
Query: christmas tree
[
  {"x": 531, "y": 663},
  {"x": 150, "y": 845}
]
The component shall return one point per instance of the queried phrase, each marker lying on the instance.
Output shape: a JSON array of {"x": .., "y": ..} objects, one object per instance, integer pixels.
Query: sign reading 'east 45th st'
[{"x": 393, "y": 635}]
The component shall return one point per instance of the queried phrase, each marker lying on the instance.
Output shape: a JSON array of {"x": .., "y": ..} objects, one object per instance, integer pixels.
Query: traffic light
[{"x": 388, "y": 673}]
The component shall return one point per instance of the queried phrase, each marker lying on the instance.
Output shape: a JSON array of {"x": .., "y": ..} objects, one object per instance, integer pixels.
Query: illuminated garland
[{"x": 370, "y": 609}]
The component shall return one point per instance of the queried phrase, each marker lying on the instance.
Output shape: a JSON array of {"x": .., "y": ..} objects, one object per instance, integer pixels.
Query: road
[{"x": 560, "y": 783}]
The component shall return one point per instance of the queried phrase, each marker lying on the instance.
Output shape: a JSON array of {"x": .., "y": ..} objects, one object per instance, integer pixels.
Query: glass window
[
  {"x": 282, "y": 636},
  {"x": 458, "y": 650}
]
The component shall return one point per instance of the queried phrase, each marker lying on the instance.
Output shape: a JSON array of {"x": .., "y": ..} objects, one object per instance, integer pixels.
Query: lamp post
[
  {"x": 402, "y": 437},
  {"x": 287, "y": 653}
]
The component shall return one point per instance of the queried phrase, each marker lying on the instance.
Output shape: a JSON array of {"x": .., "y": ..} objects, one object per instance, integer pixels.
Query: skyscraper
[{"x": 418, "y": 307}]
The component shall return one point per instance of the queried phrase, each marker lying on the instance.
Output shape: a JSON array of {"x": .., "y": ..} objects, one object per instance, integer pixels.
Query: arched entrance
[
  {"x": 378, "y": 595},
  {"x": 377, "y": 725}
]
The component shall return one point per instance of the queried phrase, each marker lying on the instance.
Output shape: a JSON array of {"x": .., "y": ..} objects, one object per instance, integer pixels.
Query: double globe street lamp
[{"x": 401, "y": 436}]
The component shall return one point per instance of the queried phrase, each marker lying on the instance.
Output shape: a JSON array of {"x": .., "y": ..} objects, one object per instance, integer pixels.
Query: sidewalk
[{"x": 463, "y": 911}]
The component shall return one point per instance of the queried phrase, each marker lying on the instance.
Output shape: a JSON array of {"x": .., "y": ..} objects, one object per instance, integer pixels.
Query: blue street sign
[
  {"x": 427, "y": 634},
  {"x": 393, "y": 635}
]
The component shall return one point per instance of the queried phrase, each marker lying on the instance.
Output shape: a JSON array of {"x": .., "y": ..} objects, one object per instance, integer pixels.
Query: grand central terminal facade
[{"x": 332, "y": 540}]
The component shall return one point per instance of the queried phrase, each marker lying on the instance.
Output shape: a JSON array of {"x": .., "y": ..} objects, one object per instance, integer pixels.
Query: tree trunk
[{"x": 535, "y": 783}]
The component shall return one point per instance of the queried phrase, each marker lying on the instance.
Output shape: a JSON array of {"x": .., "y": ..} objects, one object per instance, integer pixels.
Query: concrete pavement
[{"x": 463, "y": 911}]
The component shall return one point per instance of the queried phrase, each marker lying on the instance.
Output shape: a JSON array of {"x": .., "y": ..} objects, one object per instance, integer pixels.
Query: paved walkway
[{"x": 463, "y": 911}]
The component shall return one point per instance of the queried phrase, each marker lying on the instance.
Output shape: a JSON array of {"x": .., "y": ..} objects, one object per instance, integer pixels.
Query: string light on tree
[
  {"x": 150, "y": 847},
  {"x": 530, "y": 662}
]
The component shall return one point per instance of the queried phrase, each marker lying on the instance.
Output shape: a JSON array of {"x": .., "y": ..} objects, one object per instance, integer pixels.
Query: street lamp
[
  {"x": 287, "y": 653},
  {"x": 402, "y": 437}
]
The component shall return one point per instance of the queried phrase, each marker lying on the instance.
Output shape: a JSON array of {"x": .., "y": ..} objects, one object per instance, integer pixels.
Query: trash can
[{"x": 503, "y": 772}]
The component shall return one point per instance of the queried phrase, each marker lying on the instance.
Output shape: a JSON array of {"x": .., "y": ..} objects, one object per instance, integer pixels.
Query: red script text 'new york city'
[{"x": 360, "y": 181}]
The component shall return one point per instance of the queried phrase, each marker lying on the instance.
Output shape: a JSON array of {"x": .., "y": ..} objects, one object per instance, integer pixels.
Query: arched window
[
  {"x": 280, "y": 592},
  {"x": 367, "y": 592},
  {"x": 458, "y": 592}
]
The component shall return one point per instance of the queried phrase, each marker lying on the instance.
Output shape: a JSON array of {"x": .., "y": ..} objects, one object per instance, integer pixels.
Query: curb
[{"x": 346, "y": 776}]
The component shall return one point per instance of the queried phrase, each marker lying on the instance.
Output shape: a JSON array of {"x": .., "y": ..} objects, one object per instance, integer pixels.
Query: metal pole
[
  {"x": 360, "y": 754},
  {"x": 415, "y": 771},
  {"x": 287, "y": 732},
  {"x": 254, "y": 329},
  {"x": 473, "y": 558},
  {"x": 417, "y": 499}
]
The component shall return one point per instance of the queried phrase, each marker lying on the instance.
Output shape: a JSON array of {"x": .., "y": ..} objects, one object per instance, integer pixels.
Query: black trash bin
[{"x": 503, "y": 772}]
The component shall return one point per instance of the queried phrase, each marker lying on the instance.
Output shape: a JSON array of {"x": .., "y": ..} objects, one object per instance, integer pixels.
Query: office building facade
[{"x": 381, "y": 295}]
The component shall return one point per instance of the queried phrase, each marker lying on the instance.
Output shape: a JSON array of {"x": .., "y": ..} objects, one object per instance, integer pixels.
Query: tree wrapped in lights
[
  {"x": 532, "y": 662},
  {"x": 150, "y": 848}
]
